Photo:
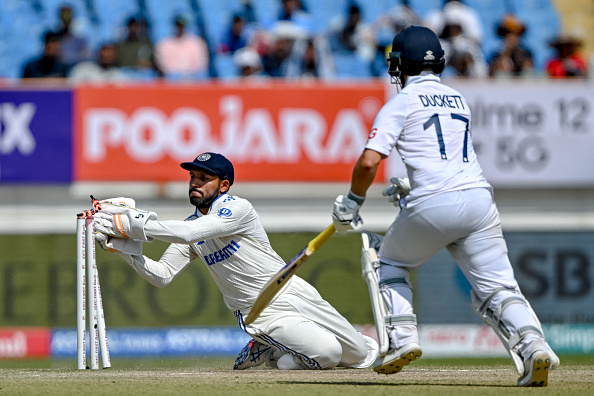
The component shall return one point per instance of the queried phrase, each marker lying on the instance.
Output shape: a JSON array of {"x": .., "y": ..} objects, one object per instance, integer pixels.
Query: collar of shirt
[
  {"x": 198, "y": 213},
  {"x": 425, "y": 75}
]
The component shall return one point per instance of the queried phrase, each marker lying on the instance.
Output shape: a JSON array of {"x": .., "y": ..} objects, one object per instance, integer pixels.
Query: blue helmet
[{"x": 415, "y": 49}]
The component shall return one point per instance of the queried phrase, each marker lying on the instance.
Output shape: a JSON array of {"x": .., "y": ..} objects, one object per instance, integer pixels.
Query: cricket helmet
[{"x": 415, "y": 49}]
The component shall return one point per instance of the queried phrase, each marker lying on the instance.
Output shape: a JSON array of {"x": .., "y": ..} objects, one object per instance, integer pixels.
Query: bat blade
[{"x": 280, "y": 279}]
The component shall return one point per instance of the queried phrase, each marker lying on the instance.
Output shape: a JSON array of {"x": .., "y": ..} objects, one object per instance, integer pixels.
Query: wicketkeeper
[{"x": 298, "y": 330}]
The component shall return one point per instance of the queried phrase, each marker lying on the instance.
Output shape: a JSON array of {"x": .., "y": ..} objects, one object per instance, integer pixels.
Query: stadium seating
[
  {"x": 423, "y": 7},
  {"x": 22, "y": 24},
  {"x": 266, "y": 11},
  {"x": 18, "y": 44},
  {"x": 491, "y": 14},
  {"x": 162, "y": 13},
  {"x": 542, "y": 25},
  {"x": 226, "y": 68},
  {"x": 217, "y": 18},
  {"x": 324, "y": 11},
  {"x": 351, "y": 67},
  {"x": 371, "y": 10},
  {"x": 112, "y": 17}
]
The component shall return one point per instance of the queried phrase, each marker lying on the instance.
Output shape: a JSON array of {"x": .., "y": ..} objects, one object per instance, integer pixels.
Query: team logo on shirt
[
  {"x": 429, "y": 56},
  {"x": 224, "y": 212},
  {"x": 372, "y": 133}
]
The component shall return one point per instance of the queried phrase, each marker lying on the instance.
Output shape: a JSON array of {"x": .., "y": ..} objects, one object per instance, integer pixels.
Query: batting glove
[
  {"x": 122, "y": 221},
  {"x": 398, "y": 190},
  {"x": 118, "y": 245},
  {"x": 345, "y": 215}
]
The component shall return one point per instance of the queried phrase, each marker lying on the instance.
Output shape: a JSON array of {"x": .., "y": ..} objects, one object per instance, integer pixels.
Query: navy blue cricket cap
[{"x": 214, "y": 163}]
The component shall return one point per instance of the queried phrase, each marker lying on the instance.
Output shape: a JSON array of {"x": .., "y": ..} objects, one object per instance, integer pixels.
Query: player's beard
[{"x": 206, "y": 200}]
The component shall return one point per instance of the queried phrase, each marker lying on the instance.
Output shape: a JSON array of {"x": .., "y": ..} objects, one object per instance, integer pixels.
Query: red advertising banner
[
  {"x": 270, "y": 131},
  {"x": 19, "y": 343}
]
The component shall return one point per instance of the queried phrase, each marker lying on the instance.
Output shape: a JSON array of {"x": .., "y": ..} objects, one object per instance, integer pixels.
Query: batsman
[
  {"x": 297, "y": 330},
  {"x": 445, "y": 203}
]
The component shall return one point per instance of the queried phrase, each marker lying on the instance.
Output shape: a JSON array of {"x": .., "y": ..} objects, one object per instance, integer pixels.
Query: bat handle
[{"x": 318, "y": 241}]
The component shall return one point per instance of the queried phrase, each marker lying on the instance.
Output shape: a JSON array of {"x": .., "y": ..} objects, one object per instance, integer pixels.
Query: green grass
[
  {"x": 213, "y": 376},
  {"x": 225, "y": 362}
]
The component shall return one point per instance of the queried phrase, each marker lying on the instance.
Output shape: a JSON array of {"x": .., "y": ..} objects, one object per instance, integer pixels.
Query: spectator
[
  {"x": 247, "y": 13},
  {"x": 136, "y": 50},
  {"x": 310, "y": 59},
  {"x": 513, "y": 60},
  {"x": 236, "y": 37},
  {"x": 293, "y": 11},
  {"x": 468, "y": 19},
  {"x": 394, "y": 21},
  {"x": 248, "y": 63},
  {"x": 402, "y": 16},
  {"x": 48, "y": 65},
  {"x": 73, "y": 49},
  {"x": 568, "y": 62},
  {"x": 385, "y": 28},
  {"x": 103, "y": 70},
  {"x": 353, "y": 35},
  {"x": 280, "y": 48},
  {"x": 464, "y": 57},
  {"x": 183, "y": 55}
]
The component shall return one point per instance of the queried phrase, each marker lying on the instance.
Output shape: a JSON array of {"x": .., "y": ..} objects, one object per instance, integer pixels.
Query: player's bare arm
[{"x": 364, "y": 171}]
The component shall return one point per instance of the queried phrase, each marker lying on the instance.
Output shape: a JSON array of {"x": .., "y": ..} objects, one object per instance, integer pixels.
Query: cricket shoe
[
  {"x": 253, "y": 354},
  {"x": 396, "y": 359},
  {"x": 537, "y": 365}
]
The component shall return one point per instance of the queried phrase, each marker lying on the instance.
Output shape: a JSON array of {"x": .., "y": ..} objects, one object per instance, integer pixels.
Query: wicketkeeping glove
[
  {"x": 345, "y": 215},
  {"x": 120, "y": 201},
  {"x": 122, "y": 221},
  {"x": 118, "y": 245},
  {"x": 398, "y": 190}
]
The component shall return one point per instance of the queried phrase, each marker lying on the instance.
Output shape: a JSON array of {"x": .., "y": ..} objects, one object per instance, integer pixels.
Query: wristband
[{"x": 356, "y": 198}]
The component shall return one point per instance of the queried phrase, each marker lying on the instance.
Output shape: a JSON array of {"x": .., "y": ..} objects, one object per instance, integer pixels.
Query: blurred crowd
[{"x": 291, "y": 48}]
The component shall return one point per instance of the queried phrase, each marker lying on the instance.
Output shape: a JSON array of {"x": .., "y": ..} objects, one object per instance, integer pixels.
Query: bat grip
[{"x": 318, "y": 241}]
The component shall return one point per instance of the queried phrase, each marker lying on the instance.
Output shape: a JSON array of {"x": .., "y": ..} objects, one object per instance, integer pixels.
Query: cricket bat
[{"x": 280, "y": 279}]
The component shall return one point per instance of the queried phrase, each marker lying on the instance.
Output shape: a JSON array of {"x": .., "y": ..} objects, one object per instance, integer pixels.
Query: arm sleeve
[
  {"x": 205, "y": 227},
  {"x": 161, "y": 273},
  {"x": 388, "y": 125}
]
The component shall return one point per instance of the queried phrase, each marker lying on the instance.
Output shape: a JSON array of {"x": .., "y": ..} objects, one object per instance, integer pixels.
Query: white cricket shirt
[
  {"x": 231, "y": 242},
  {"x": 429, "y": 124}
]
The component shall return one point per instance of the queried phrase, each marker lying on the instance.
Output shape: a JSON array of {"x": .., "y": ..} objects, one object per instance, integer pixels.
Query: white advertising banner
[{"x": 530, "y": 133}]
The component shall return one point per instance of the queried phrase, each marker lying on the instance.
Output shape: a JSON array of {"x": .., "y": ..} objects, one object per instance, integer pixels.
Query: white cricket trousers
[
  {"x": 465, "y": 222},
  {"x": 302, "y": 323}
]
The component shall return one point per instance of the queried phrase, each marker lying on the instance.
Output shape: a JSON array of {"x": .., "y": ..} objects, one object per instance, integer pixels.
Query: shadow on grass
[{"x": 410, "y": 383}]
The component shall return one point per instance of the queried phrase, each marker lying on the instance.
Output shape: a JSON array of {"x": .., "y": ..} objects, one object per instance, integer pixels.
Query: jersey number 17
[{"x": 434, "y": 120}]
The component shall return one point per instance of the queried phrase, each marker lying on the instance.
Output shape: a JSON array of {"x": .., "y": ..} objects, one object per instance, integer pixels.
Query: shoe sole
[
  {"x": 396, "y": 365},
  {"x": 540, "y": 370}
]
